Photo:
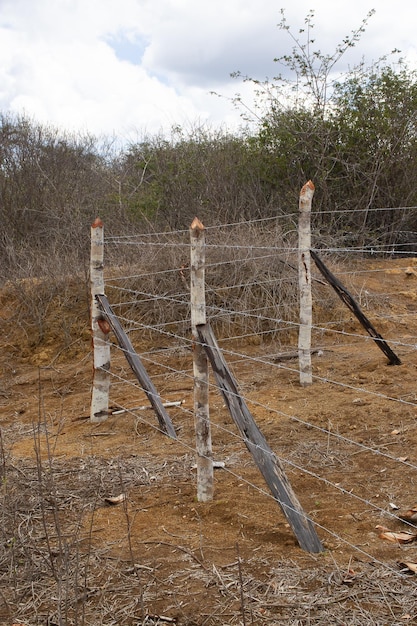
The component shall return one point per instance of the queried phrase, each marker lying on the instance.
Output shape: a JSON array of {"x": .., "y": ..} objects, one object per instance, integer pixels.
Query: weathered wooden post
[
  {"x": 100, "y": 329},
  {"x": 200, "y": 366},
  {"x": 137, "y": 366},
  {"x": 268, "y": 463},
  {"x": 304, "y": 278},
  {"x": 350, "y": 302}
]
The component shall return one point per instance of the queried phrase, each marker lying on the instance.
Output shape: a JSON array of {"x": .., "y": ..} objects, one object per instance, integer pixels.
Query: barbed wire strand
[
  {"x": 294, "y": 418},
  {"x": 366, "y": 210},
  {"x": 178, "y": 270},
  {"x": 255, "y": 312},
  {"x": 329, "y": 483},
  {"x": 264, "y": 360},
  {"x": 221, "y": 310},
  {"x": 287, "y": 461}
]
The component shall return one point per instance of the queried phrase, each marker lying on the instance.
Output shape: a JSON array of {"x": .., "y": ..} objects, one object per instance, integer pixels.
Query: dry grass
[
  {"x": 55, "y": 566},
  {"x": 53, "y": 571}
]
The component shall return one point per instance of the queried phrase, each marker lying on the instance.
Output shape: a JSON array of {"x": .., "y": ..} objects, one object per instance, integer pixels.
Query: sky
[{"x": 134, "y": 68}]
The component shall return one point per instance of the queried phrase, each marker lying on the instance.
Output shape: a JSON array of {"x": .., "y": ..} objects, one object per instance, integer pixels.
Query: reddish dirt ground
[{"x": 349, "y": 451}]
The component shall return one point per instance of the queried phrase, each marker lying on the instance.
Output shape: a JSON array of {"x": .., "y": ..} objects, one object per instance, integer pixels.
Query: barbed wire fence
[{"x": 252, "y": 294}]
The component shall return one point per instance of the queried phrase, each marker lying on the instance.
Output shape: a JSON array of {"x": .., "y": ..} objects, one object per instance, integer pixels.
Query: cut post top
[
  {"x": 97, "y": 223},
  {"x": 307, "y": 188},
  {"x": 306, "y": 195},
  {"x": 197, "y": 226}
]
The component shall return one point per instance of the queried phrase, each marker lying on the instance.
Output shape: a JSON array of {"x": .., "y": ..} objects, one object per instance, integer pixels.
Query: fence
[{"x": 234, "y": 304}]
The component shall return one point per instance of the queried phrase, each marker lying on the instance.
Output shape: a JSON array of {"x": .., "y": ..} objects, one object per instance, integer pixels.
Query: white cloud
[
  {"x": 123, "y": 66},
  {"x": 207, "y": 44},
  {"x": 70, "y": 76}
]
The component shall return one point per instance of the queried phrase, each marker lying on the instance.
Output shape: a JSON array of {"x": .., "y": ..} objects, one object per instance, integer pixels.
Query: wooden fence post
[
  {"x": 304, "y": 278},
  {"x": 200, "y": 366},
  {"x": 100, "y": 329}
]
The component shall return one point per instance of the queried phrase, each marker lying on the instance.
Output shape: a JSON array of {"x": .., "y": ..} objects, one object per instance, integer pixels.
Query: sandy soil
[{"x": 349, "y": 450}]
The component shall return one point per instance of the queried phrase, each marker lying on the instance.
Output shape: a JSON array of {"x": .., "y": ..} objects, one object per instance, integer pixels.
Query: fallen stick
[
  {"x": 145, "y": 407},
  {"x": 288, "y": 356}
]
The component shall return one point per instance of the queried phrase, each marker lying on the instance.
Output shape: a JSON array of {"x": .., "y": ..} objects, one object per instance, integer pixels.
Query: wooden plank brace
[
  {"x": 348, "y": 299},
  {"x": 268, "y": 463},
  {"x": 137, "y": 367}
]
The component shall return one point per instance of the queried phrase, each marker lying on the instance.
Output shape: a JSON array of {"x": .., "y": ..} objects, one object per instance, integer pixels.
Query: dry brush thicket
[
  {"x": 251, "y": 282},
  {"x": 53, "y": 570}
]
